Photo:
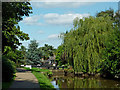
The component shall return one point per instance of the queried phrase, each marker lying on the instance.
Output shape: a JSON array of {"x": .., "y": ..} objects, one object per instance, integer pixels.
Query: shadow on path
[
  {"x": 21, "y": 70},
  {"x": 24, "y": 79}
]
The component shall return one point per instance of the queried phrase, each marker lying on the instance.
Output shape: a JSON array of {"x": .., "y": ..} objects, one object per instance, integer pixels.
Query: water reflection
[
  {"x": 80, "y": 82},
  {"x": 54, "y": 83}
]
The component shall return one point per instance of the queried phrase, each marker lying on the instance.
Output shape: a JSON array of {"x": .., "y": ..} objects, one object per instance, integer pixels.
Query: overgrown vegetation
[
  {"x": 11, "y": 36},
  {"x": 92, "y": 45},
  {"x": 9, "y": 69}
]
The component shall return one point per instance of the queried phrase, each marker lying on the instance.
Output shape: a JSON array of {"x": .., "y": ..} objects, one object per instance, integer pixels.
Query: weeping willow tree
[{"x": 85, "y": 43}]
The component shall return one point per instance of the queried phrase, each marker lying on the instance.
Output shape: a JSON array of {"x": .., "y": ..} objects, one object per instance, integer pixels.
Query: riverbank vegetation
[
  {"x": 92, "y": 45},
  {"x": 43, "y": 80}
]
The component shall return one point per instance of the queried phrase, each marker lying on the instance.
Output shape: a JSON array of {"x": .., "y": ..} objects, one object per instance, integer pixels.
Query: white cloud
[
  {"x": 59, "y": 4},
  {"x": 53, "y": 36},
  {"x": 32, "y": 20},
  {"x": 52, "y": 19},
  {"x": 40, "y": 31},
  {"x": 62, "y": 19}
]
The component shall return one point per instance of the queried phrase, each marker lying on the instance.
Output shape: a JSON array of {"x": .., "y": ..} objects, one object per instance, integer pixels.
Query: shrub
[
  {"x": 49, "y": 73},
  {"x": 8, "y": 69}
]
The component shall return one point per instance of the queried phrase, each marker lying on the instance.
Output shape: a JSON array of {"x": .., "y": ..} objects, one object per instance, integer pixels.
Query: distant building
[{"x": 50, "y": 62}]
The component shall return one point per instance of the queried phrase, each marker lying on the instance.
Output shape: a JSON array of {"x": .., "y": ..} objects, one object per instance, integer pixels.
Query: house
[{"x": 50, "y": 62}]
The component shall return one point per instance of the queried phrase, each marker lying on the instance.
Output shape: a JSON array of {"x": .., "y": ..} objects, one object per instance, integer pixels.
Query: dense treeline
[
  {"x": 34, "y": 54},
  {"x": 13, "y": 13},
  {"x": 93, "y": 45},
  {"x": 13, "y": 57}
]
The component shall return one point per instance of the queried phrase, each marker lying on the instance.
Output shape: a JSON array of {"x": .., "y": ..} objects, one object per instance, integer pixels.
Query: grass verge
[
  {"x": 43, "y": 80},
  {"x": 41, "y": 75}
]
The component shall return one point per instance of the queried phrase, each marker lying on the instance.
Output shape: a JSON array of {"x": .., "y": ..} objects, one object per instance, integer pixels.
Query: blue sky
[{"x": 49, "y": 19}]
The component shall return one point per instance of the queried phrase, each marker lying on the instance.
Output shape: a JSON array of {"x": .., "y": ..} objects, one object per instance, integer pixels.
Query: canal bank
[
  {"x": 70, "y": 72},
  {"x": 59, "y": 79}
]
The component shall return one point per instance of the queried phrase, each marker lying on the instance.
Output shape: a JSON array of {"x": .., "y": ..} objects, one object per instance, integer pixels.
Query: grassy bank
[
  {"x": 42, "y": 76},
  {"x": 43, "y": 80}
]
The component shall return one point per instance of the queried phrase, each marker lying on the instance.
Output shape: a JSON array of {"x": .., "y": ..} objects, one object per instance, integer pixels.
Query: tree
[
  {"x": 93, "y": 44},
  {"x": 60, "y": 56},
  {"x": 22, "y": 51},
  {"x": 11, "y": 15},
  {"x": 86, "y": 41},
  {"x": 33, "y": 55},
  {"x": 13, "y": 12},
  {"x": 115, "y": 16},
  {"x": 48, "y": 50},
  {"x": 111, "y": 55}
]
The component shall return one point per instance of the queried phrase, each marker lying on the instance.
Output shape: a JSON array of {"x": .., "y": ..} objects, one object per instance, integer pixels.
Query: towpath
[{"x": 24, "y": 79}]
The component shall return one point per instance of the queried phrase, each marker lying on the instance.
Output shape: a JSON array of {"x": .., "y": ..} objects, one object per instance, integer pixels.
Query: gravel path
[{"x": 25, "y": 79}]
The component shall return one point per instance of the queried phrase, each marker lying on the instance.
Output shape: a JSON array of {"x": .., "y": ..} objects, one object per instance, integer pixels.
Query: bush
[
  {"x": 69, "y": 70},
  {"x": 49, "y": 73},
  {"x": 8, "y": 69}
]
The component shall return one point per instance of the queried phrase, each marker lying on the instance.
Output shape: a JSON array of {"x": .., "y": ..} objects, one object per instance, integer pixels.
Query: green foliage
[
  {"x": 111, "y": 55},
  {"x": 46, "y": 71},
  {"x": 109, "y": 12},
  {"x": 39, "y": 70},
  {"x": 41, "y": 75},
  {"x": 47, "y": 51},
  {"x": 11, "y": 36},
  {"x": 93, "y": 45},
  {"x": 13, "y": 13},
  {"x": 15, "y": 55},
  {"x": 8, "y": 69},
  {"x": 33, "y": 55},
  {"x": 60, "y": 56},
  {"x": 23, "y": 52},
  {"x": 49, "y": 73},
  {"x": 84, "y": 43}
]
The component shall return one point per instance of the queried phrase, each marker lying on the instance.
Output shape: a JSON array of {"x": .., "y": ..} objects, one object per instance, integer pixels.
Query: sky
[{"x": 50, "y": 19}]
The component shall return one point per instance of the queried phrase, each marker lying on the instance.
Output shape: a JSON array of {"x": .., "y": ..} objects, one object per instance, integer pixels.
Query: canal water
[{"x": 81, "y": 82}]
